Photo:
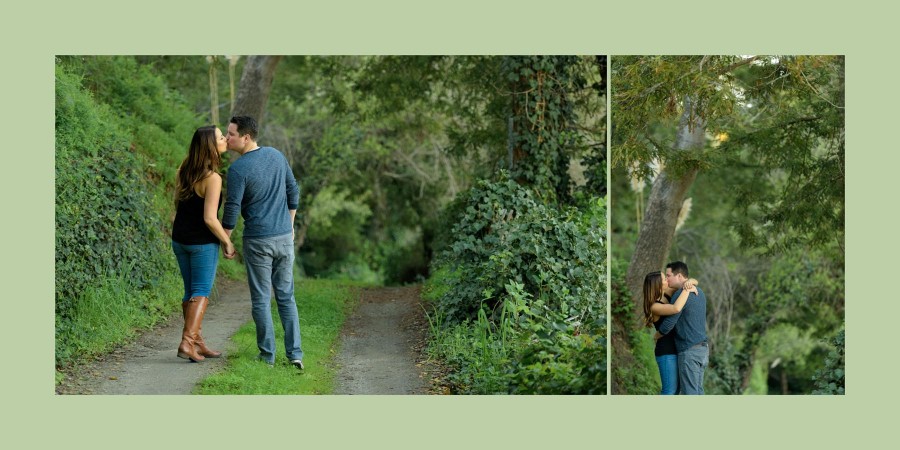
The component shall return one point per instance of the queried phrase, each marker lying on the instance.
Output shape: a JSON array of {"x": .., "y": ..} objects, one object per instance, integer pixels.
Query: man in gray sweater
[
  {"x": 690, "y": 332},
  {"x": 262, "y": 188}
]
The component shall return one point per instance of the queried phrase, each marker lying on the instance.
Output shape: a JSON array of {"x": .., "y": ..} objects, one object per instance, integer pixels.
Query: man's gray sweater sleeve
[
  {"x": 233, "y": 198},
  {"x": 293, "y": 189}
]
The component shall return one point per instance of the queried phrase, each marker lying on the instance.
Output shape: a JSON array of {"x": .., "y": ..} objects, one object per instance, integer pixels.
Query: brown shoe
[
  {"x": 198, "y": 341},
  {"x": 192, "y": 316}
]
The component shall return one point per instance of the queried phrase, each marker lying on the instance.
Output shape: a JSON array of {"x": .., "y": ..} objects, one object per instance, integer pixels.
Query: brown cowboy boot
[
  {"x": 187, "y": 350},
  {"x": 198, "y": 341}
]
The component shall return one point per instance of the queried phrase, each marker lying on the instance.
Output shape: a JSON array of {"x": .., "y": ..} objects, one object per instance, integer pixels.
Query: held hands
[{"x": 229, "y": 251}]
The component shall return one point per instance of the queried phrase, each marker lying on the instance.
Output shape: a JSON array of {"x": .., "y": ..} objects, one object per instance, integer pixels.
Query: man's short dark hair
[
  {"x": 246, "y": 125},
  {"x": 678, "y": 267}
]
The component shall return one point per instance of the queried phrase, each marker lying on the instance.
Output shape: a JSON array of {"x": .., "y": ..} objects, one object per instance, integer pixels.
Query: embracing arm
[
  {"x": 690, "y": 282},
  {"x": 666, "y": 324},
  {"x": 667, "y": 309}
]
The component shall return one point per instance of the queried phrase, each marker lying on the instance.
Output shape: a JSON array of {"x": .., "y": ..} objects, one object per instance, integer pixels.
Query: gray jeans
[
  {"x": 270, "y": 267},
  {"x": 691, "y": 365}
]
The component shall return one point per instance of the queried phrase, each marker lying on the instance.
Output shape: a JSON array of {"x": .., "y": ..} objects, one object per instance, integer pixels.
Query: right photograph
[{"x": 727, "y": 221}]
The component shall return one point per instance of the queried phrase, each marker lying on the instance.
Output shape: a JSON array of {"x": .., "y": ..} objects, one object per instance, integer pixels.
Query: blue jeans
[
  {"x": 270, "y": 266},
  {"x": 198, "y": 267},
  {"x": 668, "y": 373},
  {"x": 691, "y": 365}
]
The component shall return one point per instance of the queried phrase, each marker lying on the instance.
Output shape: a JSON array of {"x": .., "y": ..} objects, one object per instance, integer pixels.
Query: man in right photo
[{"x": 727, "y": 221}]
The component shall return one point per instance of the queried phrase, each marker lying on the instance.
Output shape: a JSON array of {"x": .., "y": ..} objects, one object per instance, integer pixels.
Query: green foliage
[
  {"x": 640, "y": 376},
  {"x": 108, "y": 312},
  {"x": 830, "y": 379},
  {"x": 524, "y": 277},
  {"x": 621, "y": 306},
  {"x": 519, "y": 296},
  {"x": 104, "y": 224},
  {"x": 134, "y": 93},
  {"x": 778, "y": 118},
  {"x": 562, "y": 356},
  {"x": 724, "y": 374},
  {"x": 437, "y": 285},
  {"x": 635, "y": 373},
  {"x": 477, "y": 352},
  {"x": 120, "y": 135},
  {"x": 544, "y": 132},
  {"x": 528, "y": 349},
  {"x": 335, "y": 224},
  {"x": 158, "y": 123},
  {"x": 765, "y": 233},
  {"x": 504, "y": 235}
]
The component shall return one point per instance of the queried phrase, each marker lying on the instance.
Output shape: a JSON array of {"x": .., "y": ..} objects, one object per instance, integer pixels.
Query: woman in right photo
[{"x": 728, "y": 169}]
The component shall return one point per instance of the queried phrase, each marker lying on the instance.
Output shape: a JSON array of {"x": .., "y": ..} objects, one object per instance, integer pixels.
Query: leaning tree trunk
[
  {"x": 655, "y": 236},
  {"x": 663, "y": 207},
  {"x": 255, "y": 85},
  {"x": 253, "y": 90}
]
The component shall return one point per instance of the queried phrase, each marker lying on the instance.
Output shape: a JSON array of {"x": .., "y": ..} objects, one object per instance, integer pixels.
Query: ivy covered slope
[
  {"x": 120, "y": 134},
  {"x": 519, "y": 293}
]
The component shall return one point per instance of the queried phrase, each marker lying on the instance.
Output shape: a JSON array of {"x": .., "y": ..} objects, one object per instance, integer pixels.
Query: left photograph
[{"x": 274, "y": 225}]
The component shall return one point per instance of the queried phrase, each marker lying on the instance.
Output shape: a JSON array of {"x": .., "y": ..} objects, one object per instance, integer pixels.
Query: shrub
[
  {"x": 505, "y": 235},
  {"x": 104, "y": 224},
  {"x": 830, "y": 380},
  {"x": 120, "y": 134},
  {"x": 520, "y": 296}
]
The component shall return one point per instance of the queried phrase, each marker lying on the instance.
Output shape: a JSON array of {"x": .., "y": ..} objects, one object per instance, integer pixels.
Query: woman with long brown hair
[
  {"x": 657, "y": 294},
  {"x": 197, "y": 234}
]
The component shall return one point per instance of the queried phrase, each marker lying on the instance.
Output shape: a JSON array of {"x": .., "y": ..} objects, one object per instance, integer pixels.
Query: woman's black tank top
[
  {"x": 189, "y": 227},
  {"x": 666, "y": 344}
]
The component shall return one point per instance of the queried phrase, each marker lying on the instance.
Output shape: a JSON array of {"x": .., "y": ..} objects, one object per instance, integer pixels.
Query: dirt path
[
  {"x": 381, "y": 345},
  {"x": 150, "y": 366},
  {"x": 381, "y": 349}
]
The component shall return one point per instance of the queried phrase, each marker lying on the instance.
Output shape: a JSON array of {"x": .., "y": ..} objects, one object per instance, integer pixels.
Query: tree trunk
[
  {"x": 255, "y": 85},
  {"x": 213, "y": 90},
  {"x": 661, "y": 215},
  {"x": 656, "y": 233},
  {"x": 232, "y": 64}
]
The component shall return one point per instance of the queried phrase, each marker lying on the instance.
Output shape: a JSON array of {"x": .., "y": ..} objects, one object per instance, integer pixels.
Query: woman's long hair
[
  {"x": 652, "y": 292},
  {"x": 202, "y": 158}
]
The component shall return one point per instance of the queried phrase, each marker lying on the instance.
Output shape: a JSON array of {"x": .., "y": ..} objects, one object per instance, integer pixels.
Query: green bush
[
  {"x": 527, "y": 349},
  {"x": 636, "y": 373},
  {"x": 108, "y": 312},
  {"x": 520, "y": 301},
  {"x": 505, "y": 235},
  {"x": 561, "y": 356},
  {"x": 104, "y": 224},
  {"x": 830, "y": 379},
  {"x": 120, "y": 135}
]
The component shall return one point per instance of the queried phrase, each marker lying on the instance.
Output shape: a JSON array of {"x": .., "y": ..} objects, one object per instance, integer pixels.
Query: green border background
[{"x": 35, "y": 31}]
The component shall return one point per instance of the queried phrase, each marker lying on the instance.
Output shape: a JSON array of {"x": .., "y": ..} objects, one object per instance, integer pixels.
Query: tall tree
[
  {"x": 255, "y": 85},
  {"x": 782, "y": 117},
  {"x": 665, "y": 203},
  {"x": 767, "y": 105}
]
